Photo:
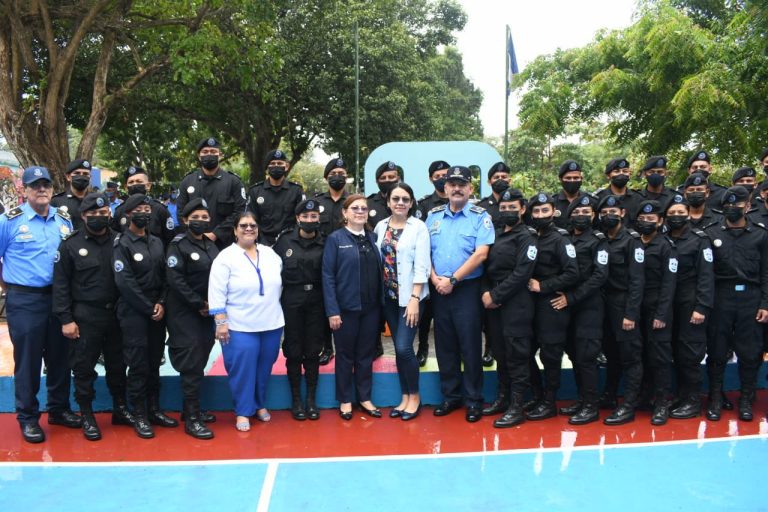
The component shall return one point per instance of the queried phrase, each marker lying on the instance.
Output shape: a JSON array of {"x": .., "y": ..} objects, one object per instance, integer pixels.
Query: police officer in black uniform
[
  {"x": 655, "y": 173},
  {"x": 741, "y": 301},
  {"x": 656, "y": 312},
  {"x": 623, "y": 291},
  {"x": 585, "y": 331},
  {"x": 222, "y": 190},
  {"x": 160, "y": 221},
  {"x": 696, "y": 191},
  {"x": 498, "y": 179},
  {"x": 618, "y": 172},
  {"x": 509, "y": 307},
  {"x": 747, "y": 178},
  {"x": 694, "y": 296},
  {"x": 78, "y": 180},
  {"x": 138, "y": 261},
  {"x": 190, "y": 328},
  {"x": 301, "y": 249},
  {"x": 555, "y": 271},
  {"x": 84, "y": 300},
  {"x": 700, "y": 163},
  {"x": 438, "y": 170},
  {"x": 331, "y": 219},
  {"x": 388, "y": 175},
  {"x": 571, "y": 178},
  {"x": 273, "y": 200}
]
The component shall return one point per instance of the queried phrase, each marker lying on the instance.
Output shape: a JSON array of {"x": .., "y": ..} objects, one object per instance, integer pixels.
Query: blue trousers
[
  {"x": 355, "y": 347},
  {"x": 458, "y": 324},
  {"x": 248, "y": 359},
  {"x": 403, "y": 336},
  {"x": 36, "y": 336}
]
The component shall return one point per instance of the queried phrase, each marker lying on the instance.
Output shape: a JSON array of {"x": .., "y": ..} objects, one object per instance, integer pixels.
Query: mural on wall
[{"x": 10, "y": 187}]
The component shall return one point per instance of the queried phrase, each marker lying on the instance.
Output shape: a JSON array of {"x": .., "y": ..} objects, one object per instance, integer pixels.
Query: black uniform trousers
[
  {"x": 36, "y": 337},
  {"x": 494, "y": 332},
  {"x": 190, "y": 340},
  {"x": 305, "y": 327},
  {"x": 585, "y": 335},
  {"x": 143, "y": 348},
  {"x": 623, "y": 349},
  {"x": 689, "y": 345},
  {"x": 551, "y": 328},
  {"x": 458, "y": 325},
  {"x": 99, "y": 333},
  {"x": 733, "y": 324},
  {"x": 355, "y": 344},
  {"x": 657, "y": 351}
]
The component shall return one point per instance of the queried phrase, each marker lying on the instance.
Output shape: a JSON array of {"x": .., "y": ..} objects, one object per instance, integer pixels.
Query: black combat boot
[
  {"x": 544, "y": 409},
  {"x": 690, "y": 407},
  {"x": 91, "y": 429},
  {"x": 514, "y": 414},
  {"x": 158, "y": 417},
  {"x": 193, "y": 422},
  {"x": 141, "y": 422},
  {"x": 745, "y": 405},
  {"x": 498, "y": 406},
  {"x": 121, "y": 415},
  {"x": 588, "y": 413}
]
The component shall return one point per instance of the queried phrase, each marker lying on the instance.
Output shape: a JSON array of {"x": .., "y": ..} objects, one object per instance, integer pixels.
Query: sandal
[
  {"x": 263, "y": 415},
  {"x": 243, "y": 425}
]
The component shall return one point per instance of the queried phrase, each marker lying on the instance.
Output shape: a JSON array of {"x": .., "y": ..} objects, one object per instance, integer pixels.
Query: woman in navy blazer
[{"x": 353, "y": 297}]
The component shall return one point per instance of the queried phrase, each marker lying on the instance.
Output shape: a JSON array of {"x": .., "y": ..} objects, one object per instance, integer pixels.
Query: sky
[{"x": 539, "y": 27}]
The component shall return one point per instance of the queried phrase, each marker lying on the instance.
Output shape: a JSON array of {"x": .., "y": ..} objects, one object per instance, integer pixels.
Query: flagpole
[
  {"x": 507, "y": 85},
  {"x": 357, "y": 109}
]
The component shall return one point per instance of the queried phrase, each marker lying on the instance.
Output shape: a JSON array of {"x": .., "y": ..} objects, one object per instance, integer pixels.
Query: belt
[
  {"x": 43, "y": 290},
  {"x": 97, "y": 305},
  {"x": 737, "y": 287},
  {"x": 306, "y": 287}
]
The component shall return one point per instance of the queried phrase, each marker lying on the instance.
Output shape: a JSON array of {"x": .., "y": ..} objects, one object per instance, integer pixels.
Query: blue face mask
[
  {"x": 110, "y": 194},
  {"x": 174, "y": 195}
]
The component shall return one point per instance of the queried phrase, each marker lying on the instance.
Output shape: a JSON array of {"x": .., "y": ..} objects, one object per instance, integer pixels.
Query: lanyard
[{"x": 258, "y": 271}]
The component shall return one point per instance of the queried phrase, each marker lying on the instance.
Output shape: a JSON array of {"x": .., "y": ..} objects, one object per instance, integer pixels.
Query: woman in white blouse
[
  {"x": 244, "y": 297},
  {"x": 405, "y": 251}
]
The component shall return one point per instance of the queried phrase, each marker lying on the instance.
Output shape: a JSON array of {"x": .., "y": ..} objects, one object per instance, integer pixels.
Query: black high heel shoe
[
  {"x": 346, "y": 416},
  {"x": 374, "y": 413},
  {"x": 395, "y": 413},
  {"x": 407, "y": 416}
]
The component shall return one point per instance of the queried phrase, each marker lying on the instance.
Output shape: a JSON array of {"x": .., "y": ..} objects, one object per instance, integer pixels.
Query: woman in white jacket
[{"x": 405, "y": 248}]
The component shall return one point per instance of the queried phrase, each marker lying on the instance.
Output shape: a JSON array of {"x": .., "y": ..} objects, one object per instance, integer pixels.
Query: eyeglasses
[
  {"x": 398, "y": 199},
  {"x": 247, "y": 226},
  {"x": 359, "y": 209}
]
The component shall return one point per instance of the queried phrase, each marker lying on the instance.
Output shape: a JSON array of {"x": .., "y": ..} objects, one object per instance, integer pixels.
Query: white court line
[
  {"x": 374, "y": 458},
  {"x": 267, "y": 486}
]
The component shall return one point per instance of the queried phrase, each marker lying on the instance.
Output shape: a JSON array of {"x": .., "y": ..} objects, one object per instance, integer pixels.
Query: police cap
[
  {"x": 695, "y": 179},
  {"x": 677, "y": 199},
  {"x": 78, "y": 164},
  {"x": 208, "y": 142},
  {"x": 275, "y": 154},
  {"x": 568, "y": 166},
  {"x": 733, "y": 195},
  {"x": 386, "y": 166},
  {"x": 112, "y": 184},
  {"x": 511, "y": 194},
  {"x": 541, "y": 198},
  {"x": 438, "y": 165},
  {"x": 616, "y": 163},
  {"x": 133, "y": 201},
  {"x": 33, "y": 174},
  {"x": 459, "y": 173},
  {"x": 655, "y": 162},
  {"x": 93, "y": 201},
  {"x": 699, "y": 155},
  {"x": 308, "y": 205},
  {"x": 336, "y": 163},
  {"x": 609, "y": 201},
  {"x": 195, "y": 204},
  {"x": 650, "y": 206},
  {"x": 581, "y": 202},
  {"x": 133, "y": 171},
  {"x": 498, "y": 167},
  {"x": 743, "y": 172}
]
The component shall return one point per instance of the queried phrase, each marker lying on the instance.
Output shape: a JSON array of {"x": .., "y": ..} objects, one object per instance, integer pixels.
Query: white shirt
[
  {"x": 233, "y": 288},
  {"x": 414, "y": 263}
]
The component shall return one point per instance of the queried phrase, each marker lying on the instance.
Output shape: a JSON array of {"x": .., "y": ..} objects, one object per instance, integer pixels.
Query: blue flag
[{"x": 512, "y": 68}]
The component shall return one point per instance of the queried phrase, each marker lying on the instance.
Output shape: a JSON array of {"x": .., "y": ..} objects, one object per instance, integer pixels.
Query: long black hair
[{"x": 407, "y": 188}]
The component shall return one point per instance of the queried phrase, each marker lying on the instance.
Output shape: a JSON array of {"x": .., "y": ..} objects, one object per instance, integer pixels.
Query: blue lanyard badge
[{"x": 258, "y": 271}]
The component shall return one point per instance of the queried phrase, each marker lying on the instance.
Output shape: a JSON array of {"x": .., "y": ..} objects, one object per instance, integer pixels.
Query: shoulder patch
[
  {"x": 700, "y": 233},
  {"x": 476, "y": 209},
  {"x": 178, "y": 238},
  {"x": 532, "y": 251},
  {"x": 438, "y": 209},
  {"x": 639, "y": 255},
  {"x": 117, "y": 241},
  {"x": 673, "y": 265},
  {"x": 563, "y": 232},
  {"x": 602, "y": 257},
  {"x": 599, "y": 235},
  {"x": 708, "y": 256},
  {"x": 760, "y": 225},
  {"x": 14, "y": 212},
  {"x": 318, "y": 194},
  {"x": 570, "y": 250},
  {"x": 634, "y": 233}
]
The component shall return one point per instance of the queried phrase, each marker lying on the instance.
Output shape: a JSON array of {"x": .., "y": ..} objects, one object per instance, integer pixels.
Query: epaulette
[
  {"x": 178, "y": 238},
  {"x": 599, "y": 234},
  {"x": 476, "y": 209},
  {"x": 700, "y": 233},
  {"x": 593, "y": 195},
  {"x": 599, "y": 191},
  {"x": 59, "y": 194},
  {"x": 531, "y": 230},
  {"x": 318, "y": 194},
  {"x": 64, "y": 215},
  {"x": 713, "y": 223},
  {"x": 190, "y": 173},
  {"x": 14, "y": 212},
  {"x": 761, "y": 225},
  {"x": 438, "y": 208},
  {"x": 117, "y": 240},
  {"x": 372, "y": 195},
  {"x": 69, "y": 235},
  {"x": 256, "y": 185},
  {"x": 563, "y": 232},
  {"x": 633, "y": 233},
  {"x": 671, "y": 242},
  {"x": 235, "y": 175},
  {"x": 294, "y": 183},
  {"x": 719, "y": 212}
]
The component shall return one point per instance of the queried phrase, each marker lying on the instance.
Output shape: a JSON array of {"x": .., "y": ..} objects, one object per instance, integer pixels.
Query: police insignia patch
[
  {"x": 570, "y": 250},
  {"x": 56, "y": 257},
  {"x": 242, "y": 192},
  {"x": 418, "y": 214},
  {"x": 673, "y": 265},
  {"x": 717, "y": 242},
  {"x": 23, "y": 228},
  {"x": 322, "y": 208},
  {"x": 83, "y": 252},
  {"x": 372, "y": 213},
  {"x": 532, "y": 251},
  {"x": 487, "y": 223},
  {"x": 123, "y": 221},
  {"x": 602, "y": 257},
  {"x": 99, "y": 202},
  {"x": 288, "y": 253},
  {"x": 172, "y": 261},
  {"x": 639, "y": 255},
  {"x": 195, "y": 256},
  {"x": 708, "y": 255},
  {"x": 190, "y": 189},
  {"x": 64, "y": 208},
  {"x": 260, "y": 200},
  {"x": 169, "y": 223},
  {"x": 138, "y": 256},
  {"x": 118, "y": 266}
]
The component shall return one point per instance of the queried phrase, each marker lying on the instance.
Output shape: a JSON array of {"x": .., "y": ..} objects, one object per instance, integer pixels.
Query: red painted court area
[{"x": 285, "y": 438}]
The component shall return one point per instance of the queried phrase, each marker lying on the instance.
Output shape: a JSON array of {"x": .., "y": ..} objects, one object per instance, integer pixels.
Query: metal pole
[
  {"x": 507, "y": 85},
  {"x": 357, "y": 109}
]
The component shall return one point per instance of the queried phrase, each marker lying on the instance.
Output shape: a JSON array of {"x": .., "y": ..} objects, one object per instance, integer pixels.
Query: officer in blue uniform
[
  {"x": 461, "y": 235},
  {"x": 29, "y": 238}
]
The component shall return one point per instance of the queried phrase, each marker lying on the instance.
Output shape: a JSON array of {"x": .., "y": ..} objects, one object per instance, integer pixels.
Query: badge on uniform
[
  {"x": 708, "y": 255},
  {"x": 372, "y": 213},
  {"x": 172, "y": 261},
  {"x": 190, "y": 189},
  {"x": 717, "y": 242},
  {"x": 138, "y": 256},
  {"x": 487, "y": 223},
  {"x": 417, "y": 214},
  {"x": 118, "y": 266},
  {"x": 64, "y": 208},
  {"x": 169, "y": 224},
  {"x": 83, "y": 252},
  {"x": 558, "y": 213},
  {"x": 56, "y": 257},
  {"x": 322, "y": 208},
  {"x": 532, "y": 251},
  {"x": 242, "y": 192},
  {"x": 639, "y": 255},
  {"x": 673, "y": 265},
  {"x": 260, "y": 200},
  {"x": 194, "y": 256},
  {"x": 64, "y": 229},
  {"x": 123, "y": 221},
  {"x": 288, "y": 253},
  {"x": 602, "y": 257},
  {"x": 570, "y": 250},
  {"x": 23, "y": 228}
]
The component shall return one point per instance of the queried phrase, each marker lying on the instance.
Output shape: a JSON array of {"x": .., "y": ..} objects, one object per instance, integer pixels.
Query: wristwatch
[{"x": 453, "y": 281}]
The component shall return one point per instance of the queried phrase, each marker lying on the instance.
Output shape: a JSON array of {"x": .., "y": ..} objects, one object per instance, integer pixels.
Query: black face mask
[
  {"x": 386, "y": 186},
  {"x": 97, "y": 224},
  {"x": 733, "y": 213},
  {"x": 620, "y": 180},
  {"x": 209, "y": 162},
  {"x": 499, "y": 186},
  {"x": 704, "y": 173},
  {"x": 571, "y": 187},
  {"x": 541, "y": 222},
  {"x": 676, "y": 221},
  {"x": 581, "y": 222},
  {"x": 137, "y": 189},
  {"x": 610, "y": 221},
  {"x": 645, "y": 227},
  {"x": 309, "y": 227},
  {"x": 656, "y": 180},
  {"x": 696, "y": 199},
  {"x": 140, "y": 220},
  {"x": 80, "y": 182},
  {"x": 337, "y": 182},
  {"x": 439, "y": 184},
  {"x": 198, "y": 227},
  {"x": 510, "y": 218},
  {"x": 277, "y": 173},
  {"x": 750, "y": 188}
]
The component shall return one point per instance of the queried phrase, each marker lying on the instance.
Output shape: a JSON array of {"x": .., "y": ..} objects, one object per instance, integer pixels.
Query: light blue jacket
[{"x": 413, "y": 259}]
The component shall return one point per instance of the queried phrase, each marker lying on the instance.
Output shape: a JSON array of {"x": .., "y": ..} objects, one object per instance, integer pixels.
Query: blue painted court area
[{"x": 713, "y": 475}]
